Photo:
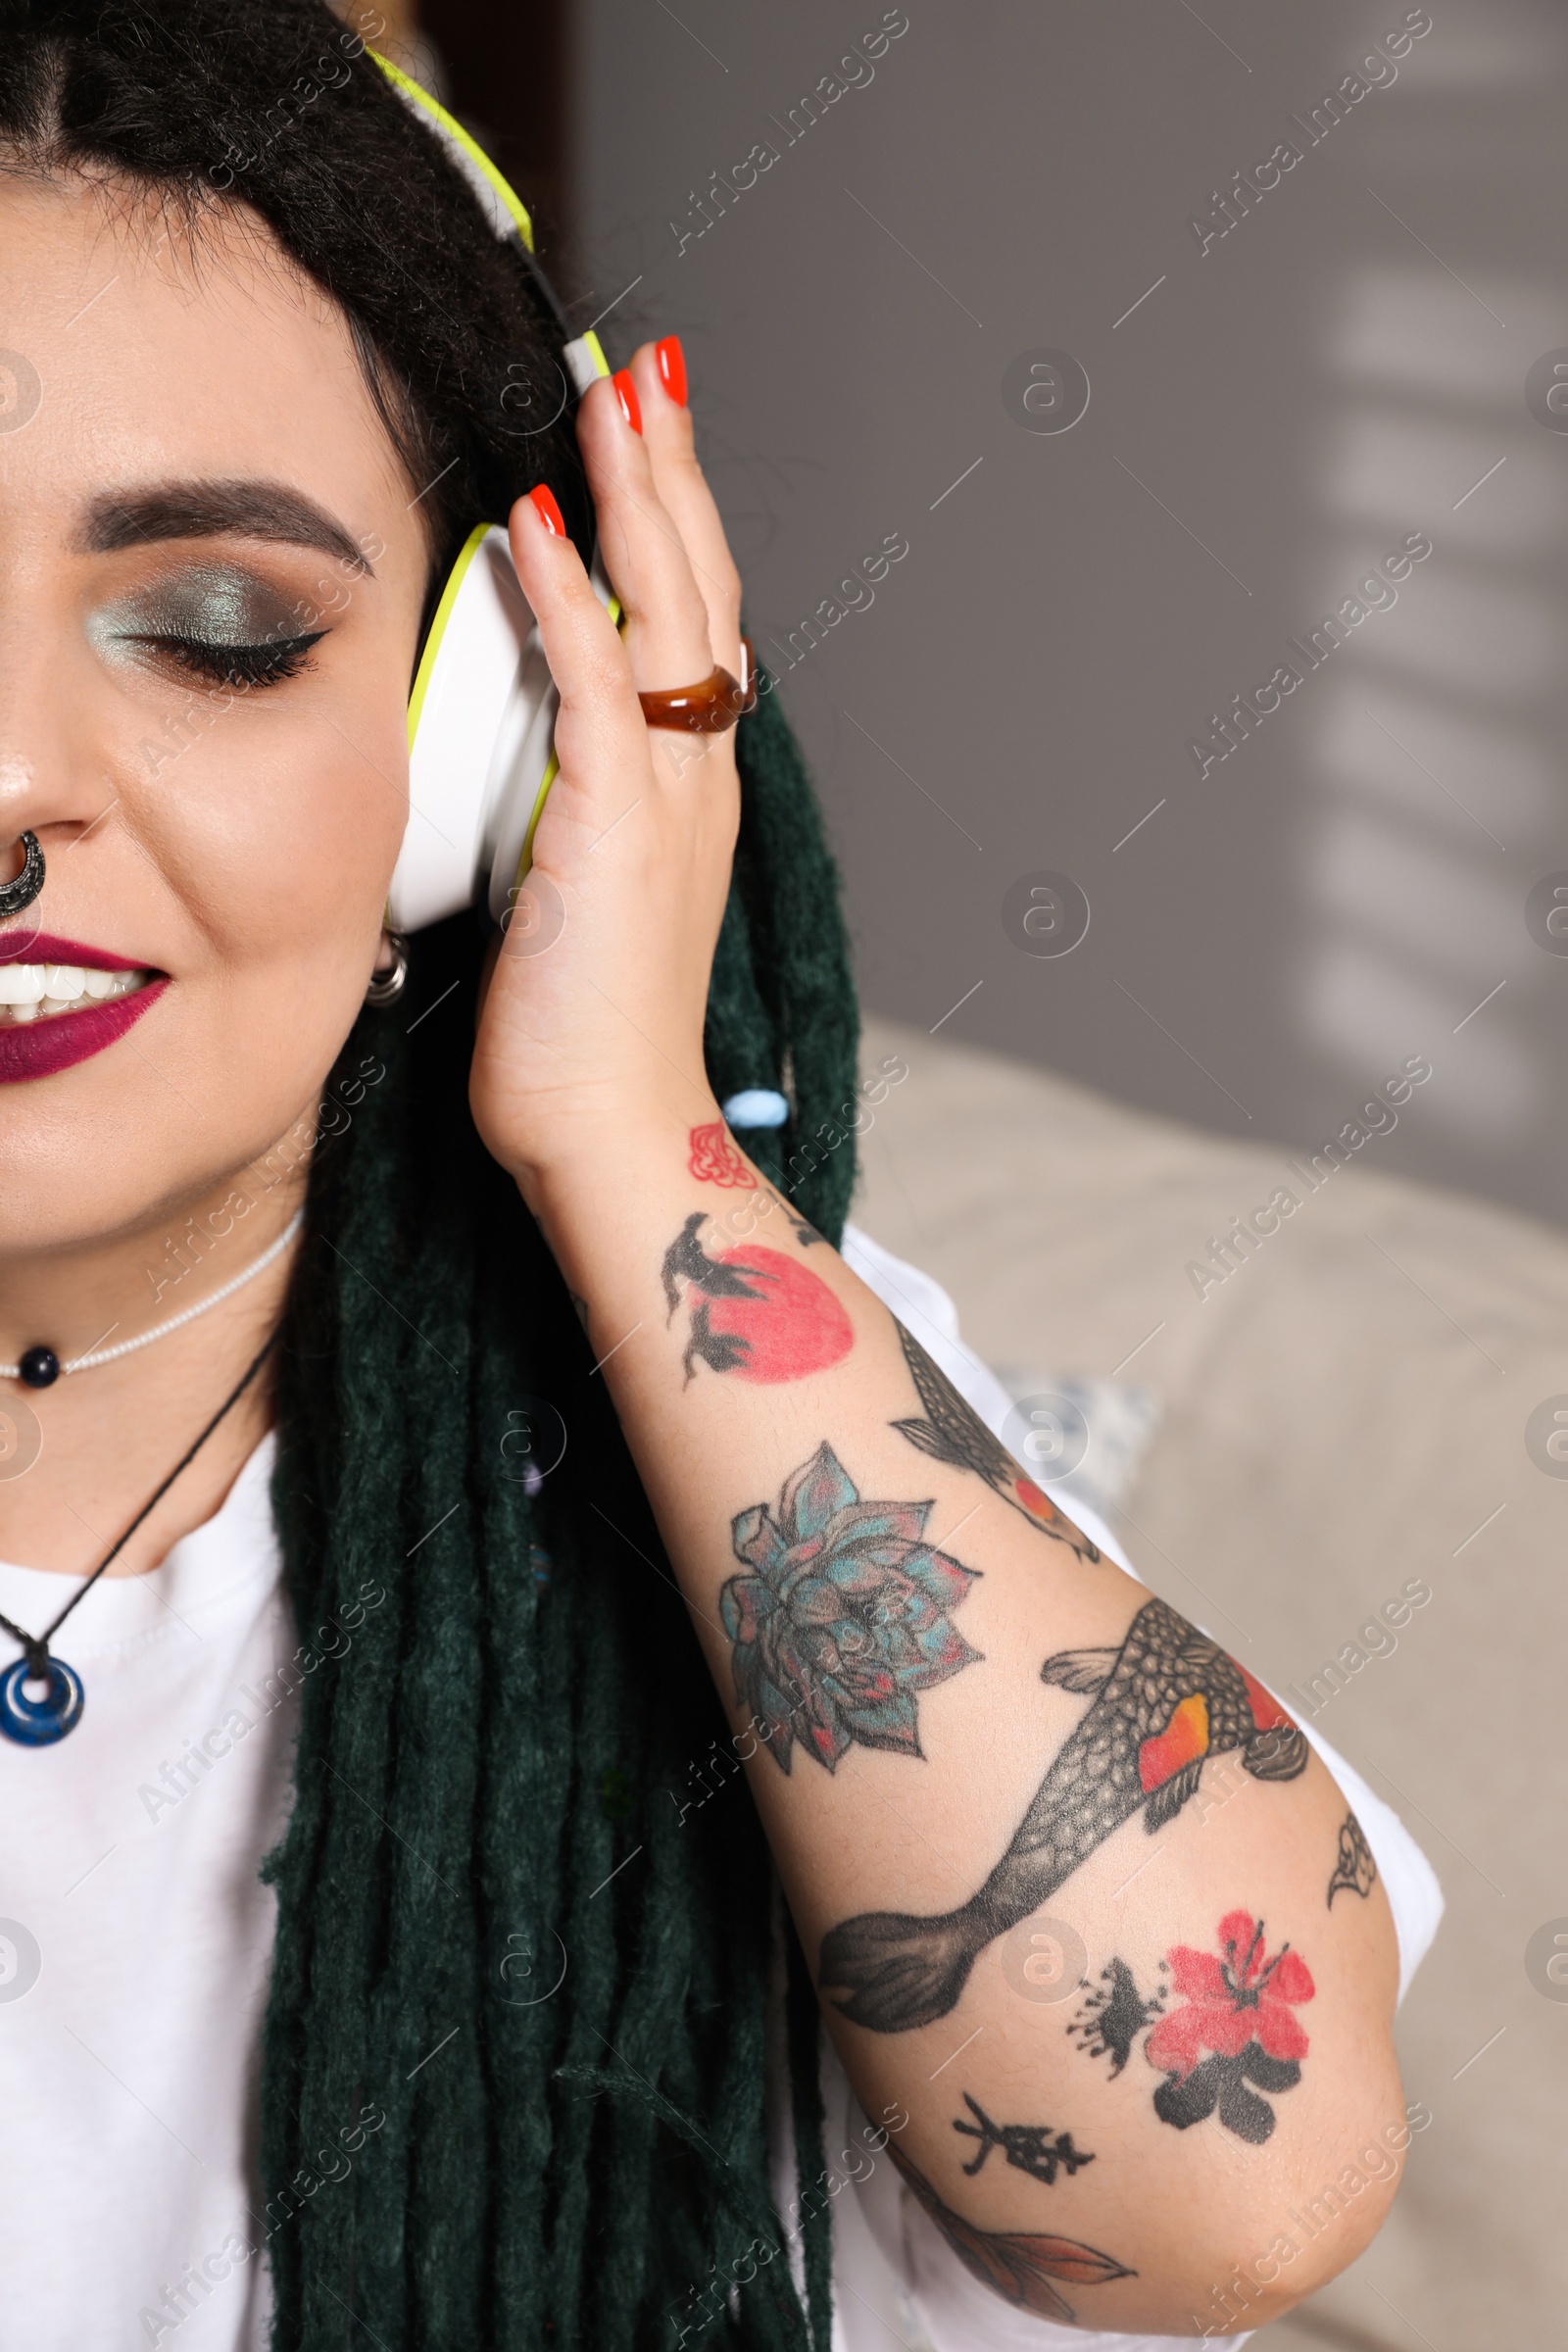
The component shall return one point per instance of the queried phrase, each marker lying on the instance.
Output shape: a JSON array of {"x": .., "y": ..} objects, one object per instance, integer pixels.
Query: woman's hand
[{"x": 592, "y": 1026}]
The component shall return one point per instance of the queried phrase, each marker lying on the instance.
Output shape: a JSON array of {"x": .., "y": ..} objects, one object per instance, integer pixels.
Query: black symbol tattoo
[
  {"x": 1033, "y": 2149},
  {"x": 1354, "y": 1867},
  {"x": 1163, "y": 1702},
  {"x": 951, "y": 1431},
  {"x": 1113, "y": 2014}
]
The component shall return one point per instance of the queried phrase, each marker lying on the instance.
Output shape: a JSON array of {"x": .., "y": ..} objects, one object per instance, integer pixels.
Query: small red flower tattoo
[
  {"x": 1241, "y": 2009},
  {"x": 714, "y": 1157}
]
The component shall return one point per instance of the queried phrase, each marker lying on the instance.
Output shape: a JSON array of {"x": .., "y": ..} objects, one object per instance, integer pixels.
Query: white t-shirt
[{"x": 135, "y": 1941}]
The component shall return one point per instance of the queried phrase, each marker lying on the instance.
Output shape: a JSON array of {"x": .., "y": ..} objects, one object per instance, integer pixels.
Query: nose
[{"x": 52, "y": 784}]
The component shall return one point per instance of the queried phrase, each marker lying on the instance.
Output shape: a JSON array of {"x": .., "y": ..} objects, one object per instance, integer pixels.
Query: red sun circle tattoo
[
  {"x": 715, "y": 1158},
  {"x": 754, "y": 1311}
]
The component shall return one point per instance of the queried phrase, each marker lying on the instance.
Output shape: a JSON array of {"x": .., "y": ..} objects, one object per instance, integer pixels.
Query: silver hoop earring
[
  {"x": 387, "y": 981},
  {"x": 21, "y": 893}
]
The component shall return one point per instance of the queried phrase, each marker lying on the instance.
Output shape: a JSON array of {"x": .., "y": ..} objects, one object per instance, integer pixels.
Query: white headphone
[{"x": 483, "y": 712}]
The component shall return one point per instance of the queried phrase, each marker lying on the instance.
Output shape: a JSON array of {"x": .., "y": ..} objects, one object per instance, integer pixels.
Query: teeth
[{"x": 31, "y": 991}]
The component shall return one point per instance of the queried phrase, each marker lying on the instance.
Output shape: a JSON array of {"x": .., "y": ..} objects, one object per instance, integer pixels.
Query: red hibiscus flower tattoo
[{"x": 1241, "y": 2010}]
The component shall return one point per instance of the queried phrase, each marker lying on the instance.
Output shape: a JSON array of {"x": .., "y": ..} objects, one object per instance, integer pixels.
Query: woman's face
[{"x": 211, "y": 576}]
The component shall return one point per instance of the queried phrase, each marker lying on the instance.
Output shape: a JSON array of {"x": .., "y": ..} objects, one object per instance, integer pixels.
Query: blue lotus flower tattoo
[{"x": 844, "y": 1617}]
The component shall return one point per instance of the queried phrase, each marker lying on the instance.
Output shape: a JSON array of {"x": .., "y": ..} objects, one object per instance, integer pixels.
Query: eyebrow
[{"x": 246, "y": 509}]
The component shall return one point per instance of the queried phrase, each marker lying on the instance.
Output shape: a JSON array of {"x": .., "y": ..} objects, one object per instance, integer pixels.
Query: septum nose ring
[{"x": 19, "y": 893}]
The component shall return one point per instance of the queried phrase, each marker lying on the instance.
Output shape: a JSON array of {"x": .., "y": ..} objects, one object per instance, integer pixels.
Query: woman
[{"x": 510, "y": 1373}]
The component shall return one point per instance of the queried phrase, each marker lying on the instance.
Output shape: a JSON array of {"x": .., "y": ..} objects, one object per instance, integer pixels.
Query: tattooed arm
[
  {"x": 1025, "y": 1810},
  {"x": 990, "y": 1764}
]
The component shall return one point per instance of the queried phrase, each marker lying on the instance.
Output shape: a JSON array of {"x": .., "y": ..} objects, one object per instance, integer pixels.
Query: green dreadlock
[{"x": 513, "y": 1723}]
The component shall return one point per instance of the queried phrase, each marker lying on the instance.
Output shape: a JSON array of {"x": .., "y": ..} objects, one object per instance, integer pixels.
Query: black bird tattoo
[
  {"x": 951, "y": 1431},
  {"x": 1163, "y": 1702}
]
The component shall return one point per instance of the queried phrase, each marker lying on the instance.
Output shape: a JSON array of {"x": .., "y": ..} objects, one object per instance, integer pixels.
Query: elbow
[{"x": 1270, "y": 2257}]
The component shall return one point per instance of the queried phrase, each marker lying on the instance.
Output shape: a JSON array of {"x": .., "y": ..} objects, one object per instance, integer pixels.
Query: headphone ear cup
[
  {"x": 481, "y": 741},
  {"x": 480, "y": 689}
]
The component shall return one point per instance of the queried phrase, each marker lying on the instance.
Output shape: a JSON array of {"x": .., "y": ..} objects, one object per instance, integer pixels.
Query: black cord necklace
[{"x": 40, "y": 1722}]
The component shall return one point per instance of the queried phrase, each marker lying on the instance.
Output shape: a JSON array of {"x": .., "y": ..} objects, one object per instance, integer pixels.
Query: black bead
[{"x": 40, "y": 1367}]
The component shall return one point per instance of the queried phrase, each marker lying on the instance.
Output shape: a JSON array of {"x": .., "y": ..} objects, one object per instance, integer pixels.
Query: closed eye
[{"x": 268, "y": 663}]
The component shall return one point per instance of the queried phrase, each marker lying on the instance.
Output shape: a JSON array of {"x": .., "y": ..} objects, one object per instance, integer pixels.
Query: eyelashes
[{"x": 269, "y": 664}]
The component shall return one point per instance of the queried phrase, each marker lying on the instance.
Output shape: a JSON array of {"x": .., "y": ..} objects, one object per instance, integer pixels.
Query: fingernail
[
  {"x": 626, "y": 394},
  {"x": 542, "y": 498},
  {"x": 671, "y": 367}
]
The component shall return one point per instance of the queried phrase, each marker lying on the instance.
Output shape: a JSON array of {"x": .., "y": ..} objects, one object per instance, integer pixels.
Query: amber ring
[{"x": 709, "y": 706}]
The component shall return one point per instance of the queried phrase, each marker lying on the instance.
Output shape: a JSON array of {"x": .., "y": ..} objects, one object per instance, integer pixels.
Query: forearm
[{"x": 949, "y": 1821}]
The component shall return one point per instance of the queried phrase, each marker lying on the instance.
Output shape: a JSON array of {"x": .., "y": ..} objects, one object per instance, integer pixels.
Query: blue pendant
[{"x": 40, "y": 1722}]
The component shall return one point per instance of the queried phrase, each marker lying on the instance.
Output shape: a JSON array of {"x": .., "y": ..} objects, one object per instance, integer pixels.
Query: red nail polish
[
  {"x": 626, "y": 394},
  {"x": 671, "y": 367},
  {"x": 543, "y": 500}
]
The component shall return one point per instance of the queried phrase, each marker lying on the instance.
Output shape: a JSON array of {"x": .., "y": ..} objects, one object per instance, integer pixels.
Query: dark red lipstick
[
  {"x": 36, "y": 1048},
  {"x": 23, "y": 946}
]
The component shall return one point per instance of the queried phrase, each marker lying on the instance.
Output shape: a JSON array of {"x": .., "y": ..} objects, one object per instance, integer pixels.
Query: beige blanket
[{"x": 1345, "y": 1410}]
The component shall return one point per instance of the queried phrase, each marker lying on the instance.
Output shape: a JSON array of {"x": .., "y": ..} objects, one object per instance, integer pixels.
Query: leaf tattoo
[
  {"x": 1163, "y": 1702},
  {"x": 1033, "y": 2149},
  {"x": 1354, "y": 1867},
  {"x": 951, "y": 1431},
  {"x": 1017, "y": 2264},
  {"x": 844, "y": 1616}
]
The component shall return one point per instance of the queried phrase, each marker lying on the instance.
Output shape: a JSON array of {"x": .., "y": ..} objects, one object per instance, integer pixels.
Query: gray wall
[{"x": 1282, "y": 409}]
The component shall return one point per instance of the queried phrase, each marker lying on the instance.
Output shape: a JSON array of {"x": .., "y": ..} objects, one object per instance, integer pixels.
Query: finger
[
  {"x": 644, "y": 553},
  {"x": 685, "y": 495},
  {"x": 600, "y": 734}
]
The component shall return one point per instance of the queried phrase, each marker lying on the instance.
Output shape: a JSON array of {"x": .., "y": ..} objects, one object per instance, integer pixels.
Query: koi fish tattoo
[
  {"x": 843, "y": 1618},
  {"x": 751, "y": 1310},
  {"x": 1163, "y": 1702},
  {"x": 951, "y": 1431},
  {"x": 1019, "y": 2265},
  {"x": 1033, "y": 2149},
  {"x": 1354, "y": 1867}
]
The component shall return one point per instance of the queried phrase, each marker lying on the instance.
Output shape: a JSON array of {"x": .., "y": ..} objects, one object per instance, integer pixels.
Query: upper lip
[{"x": 42, "y": 946}]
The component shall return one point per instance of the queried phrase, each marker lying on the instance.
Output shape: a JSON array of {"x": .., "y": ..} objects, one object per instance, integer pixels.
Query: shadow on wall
[{"x": 1437, "y": 789}]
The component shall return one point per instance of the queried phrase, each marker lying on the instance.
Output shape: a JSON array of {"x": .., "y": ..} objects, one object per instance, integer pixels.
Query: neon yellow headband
[{"x": 488, "y": 184}]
